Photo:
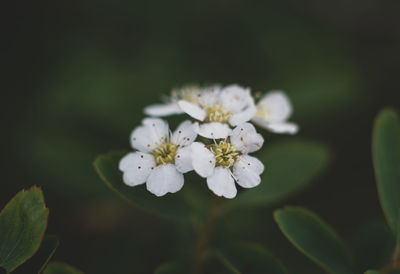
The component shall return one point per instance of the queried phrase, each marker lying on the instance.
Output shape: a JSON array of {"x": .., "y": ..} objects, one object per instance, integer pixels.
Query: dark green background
[{"x": 78, "y": 74}]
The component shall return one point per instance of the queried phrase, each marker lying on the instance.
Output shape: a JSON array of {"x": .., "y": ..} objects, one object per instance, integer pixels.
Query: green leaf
[
  {"x": 373, "y": 246},
  {"x": 170, "y": 268},
  {"x": 22, "y": 225},
  {"x": 172, "y": 205},
  {"x": 314, "y": 238},
  {"x": 61, "y": 268},
  {"x": 253, "y": 258},
  {"x": 371, "y": 272},
  {"x": 386, "y": 155},
  {"x": 42, "y": 257},
  {"x": 289, "y": 166}
]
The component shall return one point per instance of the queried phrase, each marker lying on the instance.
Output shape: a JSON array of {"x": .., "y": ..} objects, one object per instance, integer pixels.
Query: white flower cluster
[{"x": 222, "y": 117}]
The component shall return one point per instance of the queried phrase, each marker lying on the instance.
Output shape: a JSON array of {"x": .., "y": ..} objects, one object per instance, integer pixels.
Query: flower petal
[
  {"x": 149, "y": 136},
  {"x": 251, "y": 163},
  {"x": 245, "y": 177},
  {"x": 213, "y": 130},
  {"x": 285, "y": 127},
  {"x": 203, "y": 160},
  {"x": 192, "y": 109},
  {"x": 137, "y": 167},
  {"x": 246, "y": 139},
  {"x": 235, "y": 98},
  {"x": 244, "y": 116},
  {"x": 159, "y": 127},
  {"x": 159, "y": 110},
  {"x": 221, "y": 183},
  {"x": 275, "y": 106},
  {"x": 184, "y": 135},
  {"x": 164, "y": 179},
  {"x": 247, "y": 170},
  {"x": 209, "y": 96},
  {"x": 183, "y": 159}
]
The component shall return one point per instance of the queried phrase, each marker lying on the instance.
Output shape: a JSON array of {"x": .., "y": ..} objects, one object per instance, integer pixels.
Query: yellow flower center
[
  {"x": 165, "y": 153},
  {"x": 217, "y": 113},
  {"x": 225, "y": 154}
]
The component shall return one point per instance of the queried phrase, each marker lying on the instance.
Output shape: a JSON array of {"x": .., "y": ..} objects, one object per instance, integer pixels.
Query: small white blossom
[
  {"x": 218, "y": 109},
  {"x": 226, "y": 161},
  {"x": 272, "y": 112},
  {"x": 161, "y": 158},
  {"x": 189, "y": 93}
]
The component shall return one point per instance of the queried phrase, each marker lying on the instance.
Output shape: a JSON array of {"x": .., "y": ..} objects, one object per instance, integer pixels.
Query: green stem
[{"x": 203, "y": 235}]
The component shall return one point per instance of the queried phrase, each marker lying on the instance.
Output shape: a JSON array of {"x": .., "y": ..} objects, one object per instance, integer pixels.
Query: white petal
[
  {"x": 164, "y": 179},
  {"x": 203, "y": 160},
  {"x": 140, "y": 139},
  {"x": 192, "y": 109},
  {"x": 244, "y": 116},
  {"x": 244, "y": 176},
  {"x": 246, "y": 139},
  {"x": 251, "y": 163},
  {"x": 213, "y": 130},
  {"x": 150, "y": 135},
  {"x": 221, "y": 183},
  {"x": 183, "y": 159},
  {"x": 235, "y": 98},
  {"x": 137, "y": 167},
  {"x": 184, "y": 135},
  {"x": 209, "y": 96},
  {"x": 159, "y": 128},
  {"x": 260, "y": 121},
  {"x": 274, "y": 107},
  {"x": 160, "y": 110},
  {"x": 247, "y": 170},
  {"x": 284, "y": 127}
]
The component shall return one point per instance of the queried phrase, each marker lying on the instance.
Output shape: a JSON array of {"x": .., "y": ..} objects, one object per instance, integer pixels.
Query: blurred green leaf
[
  {"x": 170, "y": 268},
  {"x": 216, "y": 262},
  {"x": 61, "y": 268},
  {"x": 386, "y": 155},
  {"x": 42, "y": 257},
  {"x": 253, "y": 258},
  {"x": 373, "y": 246},
  {"x": 169, "y": 205},
  {"x": 289, "y": 166},
  {"x": 23, "y": 222},
  {"x": 314, "y": 238},
  {"x": 371, "y": 272}
]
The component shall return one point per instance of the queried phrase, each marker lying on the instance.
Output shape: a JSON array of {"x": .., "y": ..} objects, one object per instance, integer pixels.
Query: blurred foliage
[
  {"x": 23, "y": 223},
  {"x": 313, "y": 237},
  {"x": 78, "y": 75},
  {"x": 290, "y": 165},
  {"x": 41, "y": 258},
  {"x": 386, "y": 152},
  {"x": 60, "y": 268},
  {"x": 373, "y": 246}
]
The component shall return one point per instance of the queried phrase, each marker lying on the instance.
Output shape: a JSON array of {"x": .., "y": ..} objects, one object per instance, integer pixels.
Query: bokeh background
[{"x": 78, "y": 74}]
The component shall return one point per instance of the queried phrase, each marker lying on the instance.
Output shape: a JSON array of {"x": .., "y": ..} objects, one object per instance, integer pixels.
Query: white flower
[
  {"x": 225, "y": 162},
  {"x": 218, "y": 109},
  {"x": 272, "y": 112},
  {"x": 189, "y": 93},
  {"x": 161, "y": 158}
]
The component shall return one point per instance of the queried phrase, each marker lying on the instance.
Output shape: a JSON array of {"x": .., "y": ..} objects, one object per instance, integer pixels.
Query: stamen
[
  {"x": 165, "y": 153},
  {"x": 225, "y": 154},
  {"x": 217, "y": 113}
]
